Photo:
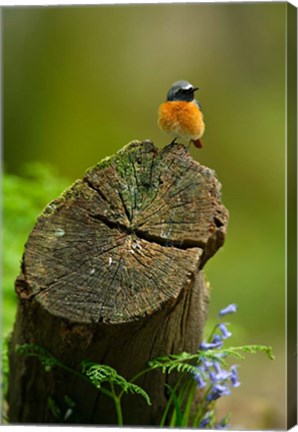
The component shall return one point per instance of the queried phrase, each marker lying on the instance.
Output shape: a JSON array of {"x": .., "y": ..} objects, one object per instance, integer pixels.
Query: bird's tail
[{"x": 197, "y": 143}]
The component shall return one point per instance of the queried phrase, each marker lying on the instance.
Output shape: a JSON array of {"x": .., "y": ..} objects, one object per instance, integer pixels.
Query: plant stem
[
  {"x": 209, "y": 340},
  {"x": 138, "y": 375},
  {"x": 169, "y": 403},
  {"x": 118, "y": 411},
  {"x": 117, "y": 403},
  {"x": 202, "y": 405}
]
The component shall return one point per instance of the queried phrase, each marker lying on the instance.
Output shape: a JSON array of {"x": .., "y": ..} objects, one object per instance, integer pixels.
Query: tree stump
[{"x": 112, "y": 273}]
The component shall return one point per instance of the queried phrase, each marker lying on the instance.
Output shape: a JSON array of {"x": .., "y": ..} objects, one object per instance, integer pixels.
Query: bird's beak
[{"x": 195, "y": 89}]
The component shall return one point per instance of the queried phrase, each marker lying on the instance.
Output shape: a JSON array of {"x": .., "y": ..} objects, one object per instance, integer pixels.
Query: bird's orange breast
[{"x": 181, "y": 119}]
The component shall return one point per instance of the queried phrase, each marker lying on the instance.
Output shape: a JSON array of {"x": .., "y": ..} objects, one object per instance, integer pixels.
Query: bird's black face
[{"x": 181, "y": 91}]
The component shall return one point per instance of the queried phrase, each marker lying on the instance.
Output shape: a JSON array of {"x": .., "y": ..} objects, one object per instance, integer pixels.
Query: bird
[{"x": 181, "y": 115}]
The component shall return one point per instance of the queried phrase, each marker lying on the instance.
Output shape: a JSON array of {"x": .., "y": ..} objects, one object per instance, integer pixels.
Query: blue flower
[
  {"x": 234, "y": 377},
  {"x": 198, "y": 377},
  {"x": 217, "y": 391},
  {"x": 221, "y": 375},
  {"x": 206, "y": 346},
  {"x": 212, "y": 376},
  {"x": 217, "y": 367},
  {"x": 204, "y": 422},
  {"x": 216, "y": 338},
  {"x": 232, "y": 308},
  {"x": 200, "y": 381},
  {"x": 224, "y": 331},
  {"x": 207, "y": 363}
]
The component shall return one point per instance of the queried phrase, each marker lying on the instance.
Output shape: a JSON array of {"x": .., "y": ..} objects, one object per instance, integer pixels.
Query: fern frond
[
  {"x": 174, "y": 362},
  {"x": 253, "y": 349},
  {"x": 98, "y": 373},
  {"x": 181, "y": 362},
  {"x": 133, "y": 388},
  {"x": 222, "y": 353},
  {"x": 46, "y": 359}
]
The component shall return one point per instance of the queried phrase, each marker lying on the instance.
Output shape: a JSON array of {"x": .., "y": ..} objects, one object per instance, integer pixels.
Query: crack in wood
[
  {"x": 109, "y": 287},
  {"x": 151, "y": 238}
]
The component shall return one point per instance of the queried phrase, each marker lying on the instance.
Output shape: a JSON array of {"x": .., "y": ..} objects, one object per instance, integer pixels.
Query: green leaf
[
  {"x": 255, "y": 348},
  {"x": 98, "y": 374},
  {"x": 55, "y": 410},
  {"x": 190, "y": 392},
  {"x": 174, "y": 362},
  {"x": 69, "y": 402},
  {"x": 133, "y": 388},
  {"x": 47, "y": 360},
  {"x": 176, "y": 419}
]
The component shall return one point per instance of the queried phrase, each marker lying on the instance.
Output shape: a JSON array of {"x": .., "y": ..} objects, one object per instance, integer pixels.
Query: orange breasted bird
[{"x": 181, "y": 115}]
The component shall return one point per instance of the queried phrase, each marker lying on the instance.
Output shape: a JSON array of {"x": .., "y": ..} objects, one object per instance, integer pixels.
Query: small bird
[{"x": 181, "y": 115}]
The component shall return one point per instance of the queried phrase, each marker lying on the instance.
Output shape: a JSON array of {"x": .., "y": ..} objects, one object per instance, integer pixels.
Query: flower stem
[
  {"x": 212, "y": 333},
  {"x": 202, "y": 406}
]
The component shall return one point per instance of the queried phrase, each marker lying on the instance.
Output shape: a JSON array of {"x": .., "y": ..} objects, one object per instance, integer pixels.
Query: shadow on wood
[{"x": 112, "y": 273}]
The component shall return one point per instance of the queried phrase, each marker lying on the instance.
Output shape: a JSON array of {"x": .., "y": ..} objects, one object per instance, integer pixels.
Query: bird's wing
[{"x": 198, "y": 104}]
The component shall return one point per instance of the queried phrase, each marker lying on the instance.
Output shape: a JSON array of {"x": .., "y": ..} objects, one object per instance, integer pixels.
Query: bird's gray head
[{"x": 181, "y": 91}]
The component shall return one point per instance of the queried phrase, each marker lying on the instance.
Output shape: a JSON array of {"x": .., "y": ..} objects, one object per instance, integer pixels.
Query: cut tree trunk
[{"x": 112, "y": 273}]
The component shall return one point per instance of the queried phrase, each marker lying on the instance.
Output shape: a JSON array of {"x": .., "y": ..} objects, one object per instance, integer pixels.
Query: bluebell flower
[
  {"x": 221, "y": 374},
  {"x": 216, "y": 338},
  {"x": 232, "y": 308},
  {"x": 212, "y": 376},
  {"x": 224, "y": 331},
  {"x": 200, "y": 381},
  {"x": 199, "y": 378},
  {"x": 234, "y": 377},
  {"x": 217, "y": 391},
  {"x": 206, "y": 346},
  {"x": 207, "y": 363},
  {"x": 204, "y": 422},
  {"x": 217, "y": 367}
]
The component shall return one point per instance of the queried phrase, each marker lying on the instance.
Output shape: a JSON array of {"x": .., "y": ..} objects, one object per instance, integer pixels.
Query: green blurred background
[{"x": 80, "y": 82}]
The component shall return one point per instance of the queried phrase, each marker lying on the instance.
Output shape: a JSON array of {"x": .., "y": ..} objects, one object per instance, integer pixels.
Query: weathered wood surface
[{"x": 112, "y": 272}]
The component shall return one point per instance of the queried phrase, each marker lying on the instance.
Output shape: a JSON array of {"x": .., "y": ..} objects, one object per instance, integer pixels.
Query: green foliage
[
  {"x": 253, "y": 349},
  {"x": 98, "y": 374},
  {"x": 46, "y": 359},
  {"x": 94, "y": 373},
  {"x": 179, "y": 363},
  {"x": 57, "y": 411},
  {"x": 24, "y": 197},
  {"x": 178, "y": 410},
  {"x": 54, "y": 408},
  {"x": 174, "y": 362},
  {"x": 4, "y": 366}
]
